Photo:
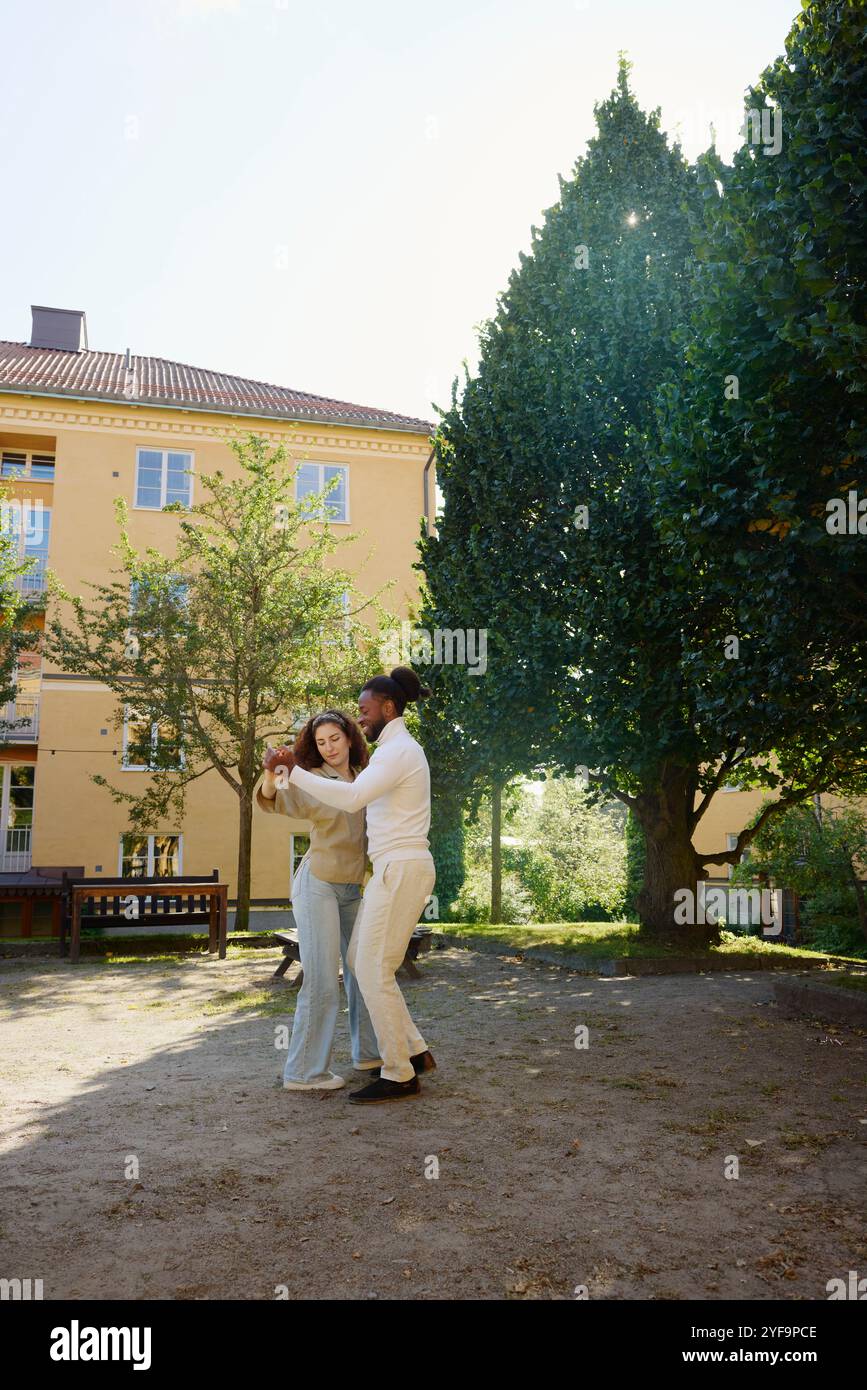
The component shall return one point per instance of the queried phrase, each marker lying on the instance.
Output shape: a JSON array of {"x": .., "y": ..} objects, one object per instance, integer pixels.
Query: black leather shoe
[
  {"x": 422, "y": 1061},
  {"x": 386, "y": 1090}
]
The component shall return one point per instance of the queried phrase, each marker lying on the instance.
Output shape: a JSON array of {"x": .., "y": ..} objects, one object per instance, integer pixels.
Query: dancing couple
[{"x": 328, "y": 779}]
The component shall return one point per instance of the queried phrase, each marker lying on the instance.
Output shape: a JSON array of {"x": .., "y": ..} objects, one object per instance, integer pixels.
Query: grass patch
[
  {"x": 717, "y": 1122},
  {"x": 258, "y": 1001},
  {"x": 602, "y": 940},
  {"x": 791, "y": 1139}
]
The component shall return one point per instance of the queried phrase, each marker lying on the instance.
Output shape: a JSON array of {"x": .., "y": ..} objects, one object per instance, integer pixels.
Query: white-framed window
[
  {"x": 180, "y": 592},
  {"x": 298, "y": 847},
  {"x": 163, "y": 476},
  {"x": 16, "y": 813},
  {"x": 731, "y": 841},
  {"x": 19, "y": 719},
  {"x": 180, "y": 589},
  {"x": 150, "y": 856},
  {"x": 147, "y": 744},
  {"x": 314, "y": 478},
  {"x": 30, "y": 524},
  {"x": 27, "y": 463}
]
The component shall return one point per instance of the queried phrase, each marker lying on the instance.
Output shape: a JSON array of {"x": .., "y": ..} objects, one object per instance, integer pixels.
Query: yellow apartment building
[{"x": 79, "y": 428}]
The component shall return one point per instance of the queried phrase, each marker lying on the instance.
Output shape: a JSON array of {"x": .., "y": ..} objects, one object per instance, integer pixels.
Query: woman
[{"x": 326, "y": 896}]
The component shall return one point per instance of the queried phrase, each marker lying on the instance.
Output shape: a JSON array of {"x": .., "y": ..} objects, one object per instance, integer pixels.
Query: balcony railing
[
  {"x": 15, "y": 859},
  {"x": 19, "y": 720}
]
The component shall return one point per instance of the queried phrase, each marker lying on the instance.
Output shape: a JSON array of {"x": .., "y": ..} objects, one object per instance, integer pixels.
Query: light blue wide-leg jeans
[{"x": 325, "y": 916}]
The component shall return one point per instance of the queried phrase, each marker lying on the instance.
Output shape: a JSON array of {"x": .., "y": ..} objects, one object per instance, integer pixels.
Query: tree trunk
[
  {"x": 496, "y": 852},
  {"x": 671, "y": 864},
  {"x": 245, "y": 842}
]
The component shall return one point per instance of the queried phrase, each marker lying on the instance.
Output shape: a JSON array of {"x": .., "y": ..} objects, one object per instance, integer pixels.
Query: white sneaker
[{"x": 332, "y": 1082}]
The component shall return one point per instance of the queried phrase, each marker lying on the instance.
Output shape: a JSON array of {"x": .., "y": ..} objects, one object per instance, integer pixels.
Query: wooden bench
[
  {"x": 419, "y": 942},
  {"x": 162, "y": 903}
]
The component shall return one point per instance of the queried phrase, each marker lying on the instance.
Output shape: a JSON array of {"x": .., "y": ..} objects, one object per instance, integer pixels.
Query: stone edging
[{"x": 815, "y": 999}]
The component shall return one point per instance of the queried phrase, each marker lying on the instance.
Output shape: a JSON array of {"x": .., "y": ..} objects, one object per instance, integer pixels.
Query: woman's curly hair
[{"x": 308, "y": 754}]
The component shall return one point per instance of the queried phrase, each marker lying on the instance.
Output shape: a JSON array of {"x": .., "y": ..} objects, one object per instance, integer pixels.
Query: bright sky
[{"x": 327, "y": 195}]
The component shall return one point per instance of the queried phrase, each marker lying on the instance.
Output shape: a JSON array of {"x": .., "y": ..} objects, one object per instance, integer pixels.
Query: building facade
[{"x": 79, "y": 429}]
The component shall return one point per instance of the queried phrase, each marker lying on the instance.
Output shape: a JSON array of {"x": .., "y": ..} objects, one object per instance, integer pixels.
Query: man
[{"x": 395, "y": 787}]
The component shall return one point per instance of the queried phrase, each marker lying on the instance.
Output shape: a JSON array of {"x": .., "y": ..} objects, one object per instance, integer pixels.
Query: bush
[
  {"x": 474, "y": 900},
  {"x": 829, "y": 922}
]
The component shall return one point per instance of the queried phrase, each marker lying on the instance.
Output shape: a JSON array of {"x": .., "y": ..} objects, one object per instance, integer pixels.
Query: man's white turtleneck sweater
[{"x": 395, "y": 787}]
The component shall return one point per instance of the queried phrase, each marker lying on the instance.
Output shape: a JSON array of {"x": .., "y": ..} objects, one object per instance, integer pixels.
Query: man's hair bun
[
  {"x": 401, "y": 686},
  {"x": 409, "y": 683}
]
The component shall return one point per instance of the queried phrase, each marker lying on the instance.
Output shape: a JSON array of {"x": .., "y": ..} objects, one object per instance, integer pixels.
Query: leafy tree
[
  {"x": 573, "y": 466},
  {"x": 547, "y": 536},
  {"x": 223, "y": 645},
  {"x": 768, "y": 424}
]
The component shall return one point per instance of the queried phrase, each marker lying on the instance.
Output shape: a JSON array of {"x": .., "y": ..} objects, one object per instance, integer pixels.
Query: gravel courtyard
[{"x": 148, "y": 1150}]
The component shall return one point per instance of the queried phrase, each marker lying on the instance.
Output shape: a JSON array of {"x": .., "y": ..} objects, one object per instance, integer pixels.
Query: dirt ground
[{"x": 560, "y": 1168}]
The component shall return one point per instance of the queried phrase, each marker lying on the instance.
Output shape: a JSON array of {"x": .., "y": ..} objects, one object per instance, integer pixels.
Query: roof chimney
[{"x": 65, "y": 329}]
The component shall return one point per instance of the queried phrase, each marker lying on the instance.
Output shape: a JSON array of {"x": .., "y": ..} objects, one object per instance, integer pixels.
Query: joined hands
[{"x": 278, "y": 757}]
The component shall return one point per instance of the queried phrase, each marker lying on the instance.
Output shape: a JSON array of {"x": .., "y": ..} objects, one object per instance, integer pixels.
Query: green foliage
[
  {"x": 224, "y": 644},
  {"x": 572, "y": 857},
  {"x": 447, "y": 848},
  {"x": 585, "y": 633},
  {"x": 568, "y": 371},
  {"x": 743, "y": 480},
  {"x": 821, "y": 853},
  {"x": 473, "y": 903},
  {"x": 602, "y": 385},
  {"x": 563, "y": 857}
]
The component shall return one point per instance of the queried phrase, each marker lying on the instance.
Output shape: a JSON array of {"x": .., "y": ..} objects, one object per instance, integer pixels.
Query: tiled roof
[{"x": 103, "y": 376}]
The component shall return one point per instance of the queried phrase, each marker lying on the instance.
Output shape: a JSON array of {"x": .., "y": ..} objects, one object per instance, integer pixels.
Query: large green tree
[
  {"x": 768, "y": 425},
  {"x": 591, "y": 460},
  {"x": 547, "y": 535},
  {"x": 221, "y": 646}
]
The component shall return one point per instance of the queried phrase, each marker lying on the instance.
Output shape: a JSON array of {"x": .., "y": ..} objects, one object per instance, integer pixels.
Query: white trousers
[{"x": 390, "y": 909}]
